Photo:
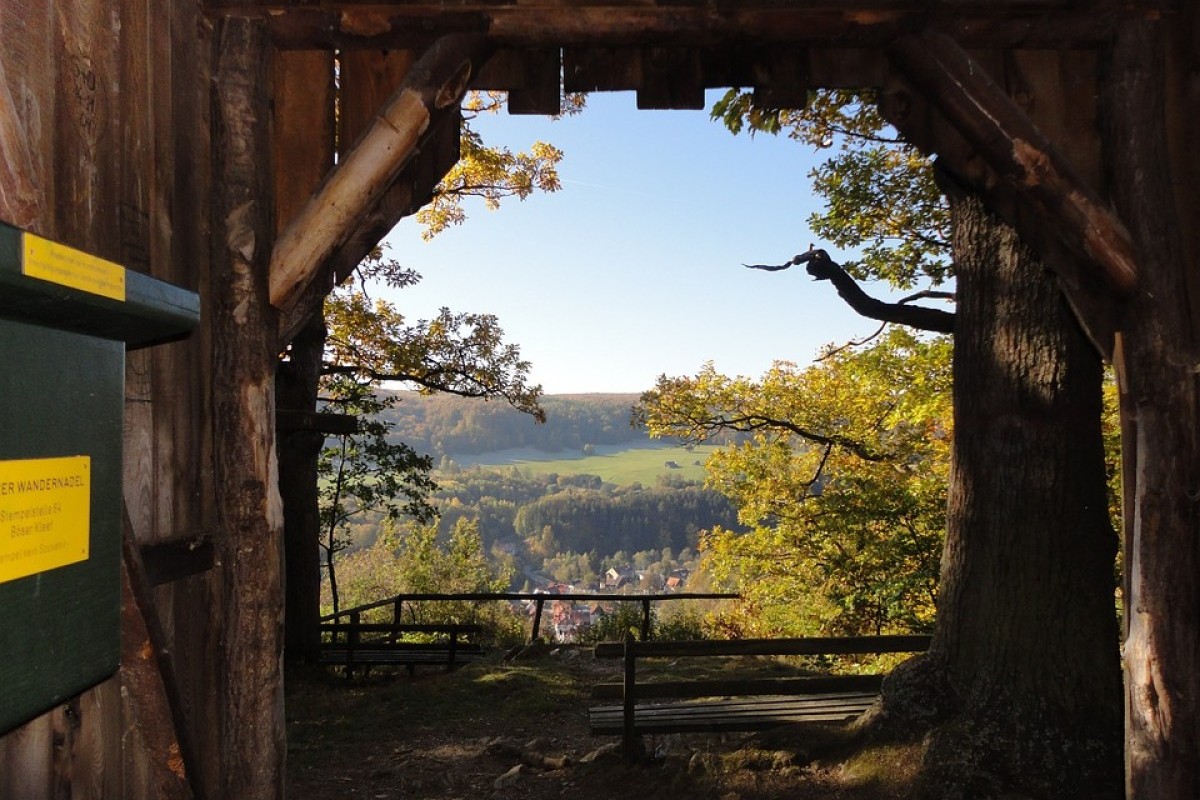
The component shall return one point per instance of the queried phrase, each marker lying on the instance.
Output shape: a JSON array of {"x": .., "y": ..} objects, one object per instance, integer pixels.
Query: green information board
[{"x": 66, "y": 319}]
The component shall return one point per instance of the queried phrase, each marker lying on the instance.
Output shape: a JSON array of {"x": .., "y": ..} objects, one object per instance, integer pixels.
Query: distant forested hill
[{"x": 454, "y": 426}]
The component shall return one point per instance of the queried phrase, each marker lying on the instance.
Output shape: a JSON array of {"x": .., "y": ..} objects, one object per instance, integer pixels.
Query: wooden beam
[
  {"x": 1160, "y": 410},
  {"x": 1011, "y": 145},
  {"x": 436, "y": 82},
  {"x": 542, "y": 23},
  {"x": 246, "y": 616},
  {"x": 540, "y": 91},
  {"x": 601, "y": 69},
  {"x": 150, "y": 683},
  {"x": 170, "y": 561},
  {"x": 960, "y": 168},
  {"x": 315, "y": 421},
  {"x": 671, "y": 79}
]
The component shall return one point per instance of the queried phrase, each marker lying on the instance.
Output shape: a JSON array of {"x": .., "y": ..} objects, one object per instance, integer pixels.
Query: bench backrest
[{"x": 807, "y": 646}]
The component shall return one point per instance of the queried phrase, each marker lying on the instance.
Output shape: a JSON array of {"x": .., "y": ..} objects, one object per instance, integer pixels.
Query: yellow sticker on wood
[
  {"x": 67, "y": 266},
  {"x": 45, "y": 514}
]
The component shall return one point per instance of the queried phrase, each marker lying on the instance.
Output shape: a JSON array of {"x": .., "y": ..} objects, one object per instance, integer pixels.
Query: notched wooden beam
[
  {"x": 672, "y": 78},
  {"x": 1020, "y": 154},
  {"x": 540, "y": 87}
]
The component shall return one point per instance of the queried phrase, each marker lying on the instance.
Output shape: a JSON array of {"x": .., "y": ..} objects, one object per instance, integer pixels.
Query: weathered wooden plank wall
[
  {"x": 304, "y": 151},
  {"x": 104, "y": 117}
]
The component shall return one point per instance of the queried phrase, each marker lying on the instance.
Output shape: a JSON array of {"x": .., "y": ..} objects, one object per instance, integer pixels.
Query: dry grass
[{"x": 446, "y": 736}]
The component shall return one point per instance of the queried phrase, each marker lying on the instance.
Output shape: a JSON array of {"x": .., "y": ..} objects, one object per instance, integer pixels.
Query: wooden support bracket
[
  {"x": 148, "y": 673},
  {"x": 437, "y": 81},
  {"x": 1018, "y": 152}
]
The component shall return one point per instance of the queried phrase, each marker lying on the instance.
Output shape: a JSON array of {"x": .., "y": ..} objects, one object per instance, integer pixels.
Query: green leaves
[
  {"x": 840, "y": 473},
  {"x": 880, "y": 193},
  {"x": 882, "y": 200},
  {"x": 489, "y": 173}
]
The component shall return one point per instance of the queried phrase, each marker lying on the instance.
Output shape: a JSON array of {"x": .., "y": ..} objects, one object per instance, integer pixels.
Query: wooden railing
[
  {"x": 539, "y": 598},
  {"x": 357, "y": 644}
]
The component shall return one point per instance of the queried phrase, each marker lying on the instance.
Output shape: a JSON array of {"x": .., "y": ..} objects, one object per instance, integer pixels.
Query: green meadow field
[{"x": 640, "y": 464}]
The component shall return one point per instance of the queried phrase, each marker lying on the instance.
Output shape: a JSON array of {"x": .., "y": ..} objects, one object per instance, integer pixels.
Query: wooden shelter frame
[{"x": 1078, "y": 122}]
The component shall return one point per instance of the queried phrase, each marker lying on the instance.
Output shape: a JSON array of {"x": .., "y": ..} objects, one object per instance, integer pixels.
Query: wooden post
[
  {"x": 1160, "y": 407},
  {"x": 645, "y": 620},
  {"x": 453, "y": 649},
  {"x": 437, "y": 81},
  {"x": 396, "y": 619},
  {"x": 629, "y": 702},
  {"x": 537, "y": 619},
  {"x": 249, "y": 544},
  {"x": 353, "y": 639}
]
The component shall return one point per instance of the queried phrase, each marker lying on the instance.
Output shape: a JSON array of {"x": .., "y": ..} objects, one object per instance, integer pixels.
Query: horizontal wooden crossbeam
[{"x": 537, "y": 23}]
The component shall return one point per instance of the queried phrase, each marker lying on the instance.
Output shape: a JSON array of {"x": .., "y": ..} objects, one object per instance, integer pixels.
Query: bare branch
[{"x": 821, "y": 267}]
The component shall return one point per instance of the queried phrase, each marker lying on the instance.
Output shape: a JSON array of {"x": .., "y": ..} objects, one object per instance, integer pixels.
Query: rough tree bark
[
  {"x": 1021, "y": 687},
  {"x": 1160, "y": 401},
  {"x": 248, "y": 609}
]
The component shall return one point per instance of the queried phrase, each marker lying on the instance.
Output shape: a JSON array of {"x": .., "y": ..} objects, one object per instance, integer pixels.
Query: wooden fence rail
[{"x": 539, "y": 598}]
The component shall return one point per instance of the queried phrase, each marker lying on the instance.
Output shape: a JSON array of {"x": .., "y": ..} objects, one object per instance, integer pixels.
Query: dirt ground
[{"x": 518, "y": 731}]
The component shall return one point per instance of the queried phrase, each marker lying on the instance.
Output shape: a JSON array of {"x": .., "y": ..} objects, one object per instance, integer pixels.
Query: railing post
[
  {"x": 537, "y": 619},
  {"x": 453, "y": 649},
  {"x": 396, "y": 604},
  {"x": 646, "y": 620},
  {"x": 352, "y": 642}
]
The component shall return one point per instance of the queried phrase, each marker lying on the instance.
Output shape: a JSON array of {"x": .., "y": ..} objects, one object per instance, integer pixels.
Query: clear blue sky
[{"x": 634, "y": 269}]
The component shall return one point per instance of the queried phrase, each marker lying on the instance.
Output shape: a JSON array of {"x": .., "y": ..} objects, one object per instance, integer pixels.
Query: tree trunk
[
  {"x": 249, "y": 545},
  {"x": 1024, "y": 666},
  {"x": 296, "y": 382}
]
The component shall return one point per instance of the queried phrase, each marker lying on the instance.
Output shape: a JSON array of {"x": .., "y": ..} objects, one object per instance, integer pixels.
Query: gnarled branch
[{"x": 822, "y": 267}]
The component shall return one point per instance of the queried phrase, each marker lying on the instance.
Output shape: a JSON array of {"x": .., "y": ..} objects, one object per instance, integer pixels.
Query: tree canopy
[{"x": 841, "y": 484}]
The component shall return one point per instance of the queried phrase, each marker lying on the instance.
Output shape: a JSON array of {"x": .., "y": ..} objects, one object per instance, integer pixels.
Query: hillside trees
[
  {"x": 363, "y": 342},
  {"x": 409, "y": 557},
  {"x": 1021, "y": 687},
  {"x": 450, "y": 425}
]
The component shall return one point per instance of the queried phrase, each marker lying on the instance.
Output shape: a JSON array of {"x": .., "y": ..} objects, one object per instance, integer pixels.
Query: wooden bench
[
  {"x": 357, "y": 644},
  {"x": 699, "y": 706}
]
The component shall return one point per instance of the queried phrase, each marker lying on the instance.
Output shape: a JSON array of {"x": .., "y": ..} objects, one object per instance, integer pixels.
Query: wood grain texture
[
  {"x": 27, "y": 101},
  {"x": 249, "y": 542},
  {"x": 1019, "y": 152},
  {"x": 437, "y": 82},
  {"x": 303, "y": 128},
  {"x": 1160, "y": 399}
]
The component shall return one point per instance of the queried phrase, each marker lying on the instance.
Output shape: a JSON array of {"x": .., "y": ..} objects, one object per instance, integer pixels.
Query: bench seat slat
[
  {"x": 739, "y": 704},
  {"x": 731, "y": 715}
]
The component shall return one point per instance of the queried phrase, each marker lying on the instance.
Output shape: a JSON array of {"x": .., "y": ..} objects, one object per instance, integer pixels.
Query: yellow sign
[
  {"x": 45, "y": 514},
  {"x": 67, "y": 266}
]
